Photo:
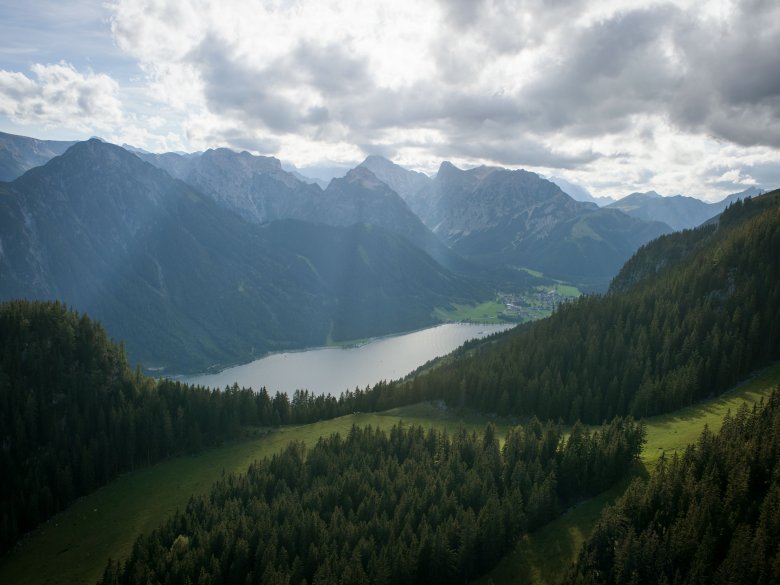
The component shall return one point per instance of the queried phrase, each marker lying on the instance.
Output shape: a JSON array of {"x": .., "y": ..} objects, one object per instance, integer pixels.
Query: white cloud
[
  {"x": 58, "y": 95},
  {"x": 617, "y": 95}
]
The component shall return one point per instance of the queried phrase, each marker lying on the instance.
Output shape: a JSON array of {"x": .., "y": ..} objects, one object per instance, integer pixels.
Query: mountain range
[
  {"x": 187, "y": 283},
  {"x": 204, "y": 259},
  {"x": 223, "y": 256},
  {"x": 496, "y": 217},
  {"x": 484, "y": 223},
  {"x": 259, "y": 190},
  {"x": 678, "y": 211},
  {"x": 20, "y": 153}
]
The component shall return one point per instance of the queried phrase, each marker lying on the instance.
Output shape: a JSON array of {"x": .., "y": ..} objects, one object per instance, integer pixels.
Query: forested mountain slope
[
  {"x": 711, "y": 515},
  {"x": 407, "y": 506},
  {"x": 664, "y": 340},
  {"x": 188, "y": 284},
  {"x": 74, "y": 415}
]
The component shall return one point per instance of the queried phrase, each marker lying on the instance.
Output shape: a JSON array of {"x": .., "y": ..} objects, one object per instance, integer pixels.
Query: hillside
[
  {"x": 709, "y": 515},
  {"x": 79, "y": 542},
  {"x": 674, "y": 337},
  {"x": 78, "y": 416},
  {"x": 187, "y": 284},
  {"x": 671, "y": 249},
  {"x": 402, "y": 506}
]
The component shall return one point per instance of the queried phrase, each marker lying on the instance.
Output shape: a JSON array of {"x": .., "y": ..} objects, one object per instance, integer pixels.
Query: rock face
[
  {"x": 255, "y": 187},
  {"x": 678, "y": 211},
  {"x": 496, "y": 216},
  {"x": 19, "y": 154},
  {"x": 259, "y": 190},
  {"x": 186, "y": 283},
  {"x": 406, "y": 183}
]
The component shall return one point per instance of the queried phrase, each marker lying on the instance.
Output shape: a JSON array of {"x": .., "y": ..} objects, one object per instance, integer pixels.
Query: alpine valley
[
  {"x": 186, "y": 282},
  {"x": 497, "y": 462},
  {"x": 196, "y": 261},
  {"x": 331, "y": 292}
]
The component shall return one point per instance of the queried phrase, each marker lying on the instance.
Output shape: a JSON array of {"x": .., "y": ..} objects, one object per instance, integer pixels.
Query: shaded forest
[
  {"x": 711, "y": 515},
  {"x": 407, "y": 506},
  {"x": 74, "y": 415}
]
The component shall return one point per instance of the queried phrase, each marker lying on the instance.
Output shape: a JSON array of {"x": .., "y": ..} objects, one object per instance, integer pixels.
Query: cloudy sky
[{"x": 678, "y": 96}]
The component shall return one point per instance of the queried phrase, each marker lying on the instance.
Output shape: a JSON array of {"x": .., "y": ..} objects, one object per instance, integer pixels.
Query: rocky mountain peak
[
  {"x": 246, "y": 159},
  {"x": 364, "y": 177},
  {"x": 99, "y": 155},
  {"x": 447, "y": 169},
  {"x": 403, "y": 181},
  {"x": 375, "y": 159}
]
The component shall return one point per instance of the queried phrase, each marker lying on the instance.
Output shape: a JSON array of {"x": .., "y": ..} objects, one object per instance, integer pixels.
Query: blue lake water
[{"x": 333, "y": 370}]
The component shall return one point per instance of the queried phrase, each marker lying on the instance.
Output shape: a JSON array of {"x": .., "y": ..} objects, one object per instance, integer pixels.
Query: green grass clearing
[
  {"x": 534, "y": 273},
  {"x": 567, "y": 290},
  {"x": 543, "y": 556},
  {"x": 675, "y": 431},
  {"x": 488, "y": 312}
]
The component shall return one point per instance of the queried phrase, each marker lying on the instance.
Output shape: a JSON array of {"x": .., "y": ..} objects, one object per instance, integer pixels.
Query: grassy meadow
[
  {"x": 489, "y": 312},
  {"x": 541, "y": 557}
]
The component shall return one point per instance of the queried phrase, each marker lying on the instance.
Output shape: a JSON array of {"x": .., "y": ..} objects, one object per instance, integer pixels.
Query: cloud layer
[
  {"x": 58, "y": 95},
  {"x": 679, "y": 96}
]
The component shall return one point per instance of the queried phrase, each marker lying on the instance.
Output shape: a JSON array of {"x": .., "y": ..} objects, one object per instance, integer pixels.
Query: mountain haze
[
  {"x": 500, "y": 217},
  {"x": 406, "y": 183},
  {"x": 259, "y": 190},
  {"x": 579, "y": 193},
  {"x": 20, "y": 153},
  {"x": 255, "y": 187},
  {"x": 678, "y": 211},
  {"x": 186, "y": 283}
]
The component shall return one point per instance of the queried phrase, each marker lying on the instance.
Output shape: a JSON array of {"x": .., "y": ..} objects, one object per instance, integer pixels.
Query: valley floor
[{"x": 74, "y": 546}]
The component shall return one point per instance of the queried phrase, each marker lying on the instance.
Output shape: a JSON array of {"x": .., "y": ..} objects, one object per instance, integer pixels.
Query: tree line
[
  {"x": 404, "y": 506},
  {"x": 74, "y": 415},
  {"x": 710, "y": 515}
]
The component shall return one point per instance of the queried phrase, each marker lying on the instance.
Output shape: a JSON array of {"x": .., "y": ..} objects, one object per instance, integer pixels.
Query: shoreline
[{"x": 352, "y": 344}]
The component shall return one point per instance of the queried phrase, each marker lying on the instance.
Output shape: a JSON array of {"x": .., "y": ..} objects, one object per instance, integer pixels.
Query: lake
[{"x": 332, "y": 370}]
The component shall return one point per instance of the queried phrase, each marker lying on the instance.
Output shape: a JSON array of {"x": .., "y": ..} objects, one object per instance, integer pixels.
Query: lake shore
[{"x": 333, "y": 369}]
